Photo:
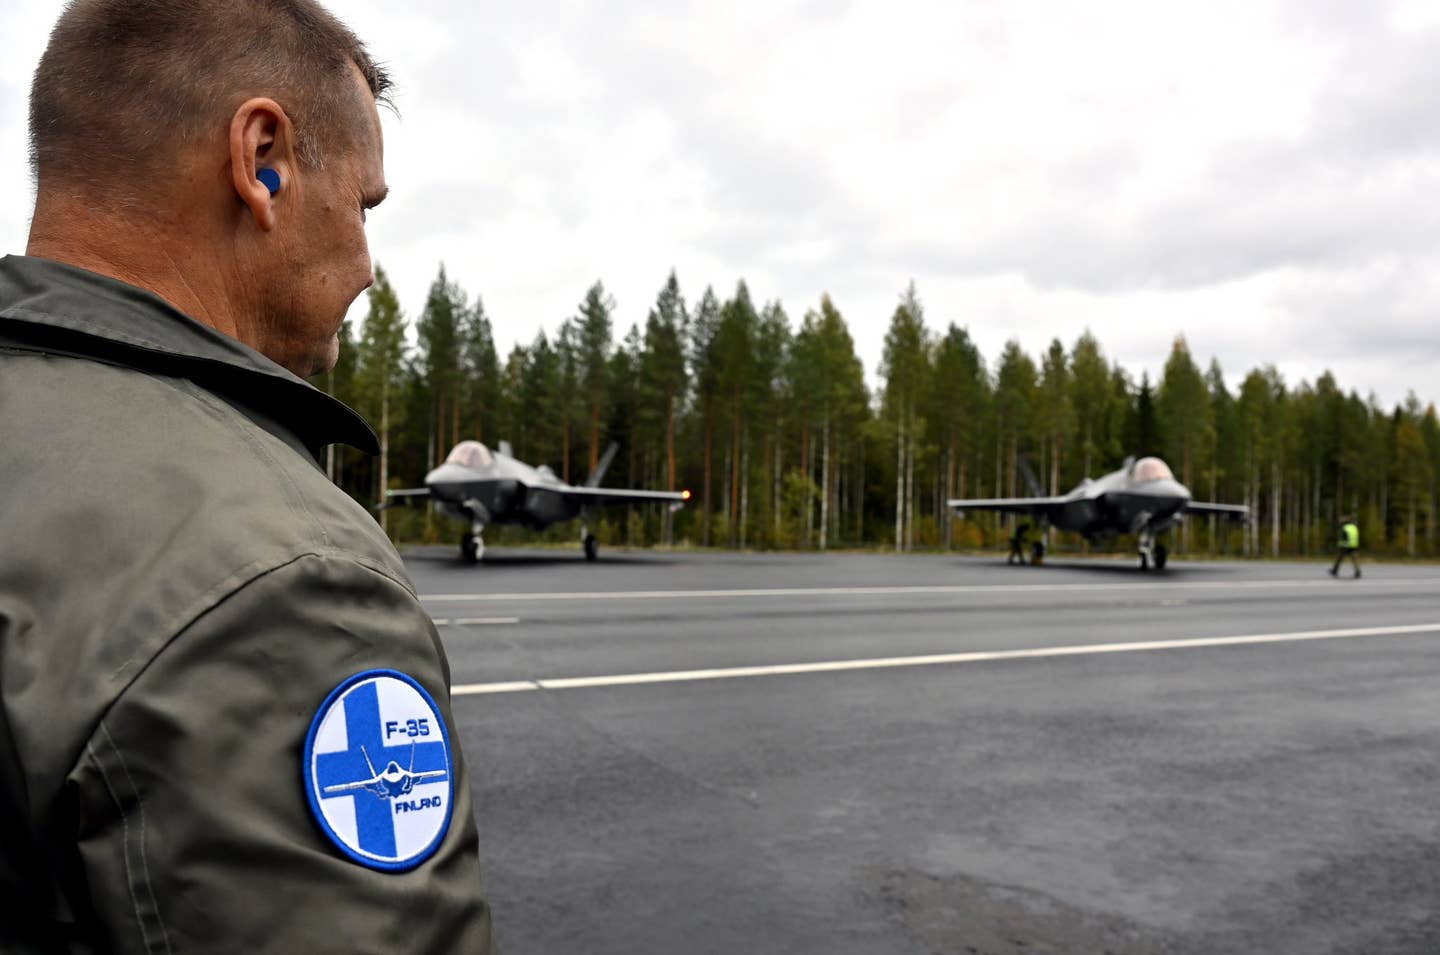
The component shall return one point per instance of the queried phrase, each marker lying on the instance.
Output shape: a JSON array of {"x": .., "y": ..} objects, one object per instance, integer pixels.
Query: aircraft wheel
[
  {"x": 1161, "y": 555},
  {"x": 471, "y": 548},
  {"x": 592, "y": 547},
  {"x": 1144, "y": 562}
]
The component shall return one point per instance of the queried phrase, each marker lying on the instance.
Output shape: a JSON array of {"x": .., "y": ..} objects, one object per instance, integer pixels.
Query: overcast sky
[{"x": 1260, "y": 176}]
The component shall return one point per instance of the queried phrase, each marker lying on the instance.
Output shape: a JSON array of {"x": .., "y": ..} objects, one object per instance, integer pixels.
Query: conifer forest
[{"x": 765, "y": 415}]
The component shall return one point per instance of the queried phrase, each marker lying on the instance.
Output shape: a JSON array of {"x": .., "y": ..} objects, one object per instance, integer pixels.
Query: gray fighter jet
[
  {"x": 481, "y": 487},
  {"x": 1142, "y": 498},
  {"x": 393, "y": 781}
]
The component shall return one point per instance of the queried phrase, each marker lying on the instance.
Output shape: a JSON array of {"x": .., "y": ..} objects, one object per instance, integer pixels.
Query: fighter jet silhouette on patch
[{"x": 394, "y": 781}]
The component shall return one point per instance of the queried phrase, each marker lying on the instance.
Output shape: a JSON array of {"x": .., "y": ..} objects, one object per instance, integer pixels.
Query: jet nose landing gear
[
  {"x": 1151, "y": 552},
  {"x": 472, "y": 545}
]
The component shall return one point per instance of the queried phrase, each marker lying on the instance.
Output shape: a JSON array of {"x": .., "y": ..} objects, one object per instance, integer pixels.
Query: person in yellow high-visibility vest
[{"x": 1349, "y": 543}]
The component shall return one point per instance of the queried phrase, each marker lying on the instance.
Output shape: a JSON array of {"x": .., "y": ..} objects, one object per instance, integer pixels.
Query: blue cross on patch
[{"x": 377, "y": 770}]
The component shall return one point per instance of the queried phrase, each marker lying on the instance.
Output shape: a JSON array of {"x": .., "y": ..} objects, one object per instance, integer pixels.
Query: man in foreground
[{"x": 224, "y": 716}]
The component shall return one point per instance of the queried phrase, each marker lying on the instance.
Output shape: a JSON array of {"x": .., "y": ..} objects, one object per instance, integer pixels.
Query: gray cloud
[{"x": 1261, "y": 180}]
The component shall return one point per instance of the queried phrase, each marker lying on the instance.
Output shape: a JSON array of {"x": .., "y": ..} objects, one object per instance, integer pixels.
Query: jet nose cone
[
  {"x": 1175, "y": 489},
  {"x": 448, "y": 473},
  {"x": 1165, "y": 494}
]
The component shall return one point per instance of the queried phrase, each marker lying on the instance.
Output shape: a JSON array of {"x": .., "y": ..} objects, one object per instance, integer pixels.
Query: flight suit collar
[{"x": 61, "y": 309}]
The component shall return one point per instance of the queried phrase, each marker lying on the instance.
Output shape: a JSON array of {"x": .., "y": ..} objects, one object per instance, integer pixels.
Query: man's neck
[{"x": 137, "y": 251}]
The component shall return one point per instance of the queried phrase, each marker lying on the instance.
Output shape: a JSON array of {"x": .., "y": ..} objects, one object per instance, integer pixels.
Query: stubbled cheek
[{"x": 364, "y": 266}]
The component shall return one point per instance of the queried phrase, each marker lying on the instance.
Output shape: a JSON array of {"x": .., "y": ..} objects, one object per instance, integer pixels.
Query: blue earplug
[{"x": 270, "y": 178}]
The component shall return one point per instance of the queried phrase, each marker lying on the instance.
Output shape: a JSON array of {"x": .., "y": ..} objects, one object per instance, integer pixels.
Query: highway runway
[{"x": 693, "y": 753}]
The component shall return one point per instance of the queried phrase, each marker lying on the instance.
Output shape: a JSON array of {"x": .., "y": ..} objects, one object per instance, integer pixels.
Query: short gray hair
[{"x": 123, "y": 82}]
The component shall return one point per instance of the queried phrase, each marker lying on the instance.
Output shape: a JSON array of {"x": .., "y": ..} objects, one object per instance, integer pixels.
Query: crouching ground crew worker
[
  {"x": 1349, "y": 543},
  {"x": 1017, "y": 544},
  {"x": 225, "y": 721}
]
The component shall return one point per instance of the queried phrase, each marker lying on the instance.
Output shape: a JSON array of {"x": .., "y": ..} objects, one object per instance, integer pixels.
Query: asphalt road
[{"x": 646, "y": 782}]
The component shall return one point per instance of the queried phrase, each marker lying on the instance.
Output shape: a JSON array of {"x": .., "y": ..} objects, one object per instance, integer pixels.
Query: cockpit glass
[
  {"x": 470, "y": 454},
  {"x": 1152, "y": 469}
]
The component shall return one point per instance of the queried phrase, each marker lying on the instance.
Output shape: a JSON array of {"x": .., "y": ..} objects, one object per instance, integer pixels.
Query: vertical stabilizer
[{"x": 599, "y": 475}]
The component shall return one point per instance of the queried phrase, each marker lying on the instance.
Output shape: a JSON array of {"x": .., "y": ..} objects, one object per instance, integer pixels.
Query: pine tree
[
  {"x": 1056, "y": 411},
  {"x": 704, "y": 366},
  {"x": 480, "y": 372},
  {"x": 1182, "y": 411},
  {"x": 380, "y": 365},
  {"x": 734, "y": 346},
  {"x": 1222, "y": 462},
  {"x": 905, "y": 367},
  {"x": 438, "y": 332},
  {"x": 1016, "y": 383},
  {"x": 593, "y": 344},
  {"x": 1143, "y": 431},
  {"x": 569, "y": 391},
  {"x": 663, "y": 374},
  {"x": 957, "y": 408},
  {"x": 773, "y": 345}
]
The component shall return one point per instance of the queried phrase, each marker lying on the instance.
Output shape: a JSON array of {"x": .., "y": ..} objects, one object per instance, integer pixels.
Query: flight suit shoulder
[
  {"x": 165, "y": 458},
  {"x": 139, "y": 502},
  {"x": 196, "y": 830}
]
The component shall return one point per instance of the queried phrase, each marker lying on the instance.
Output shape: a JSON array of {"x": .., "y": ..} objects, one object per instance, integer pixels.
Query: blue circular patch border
[{"x": 307, "y": 773}]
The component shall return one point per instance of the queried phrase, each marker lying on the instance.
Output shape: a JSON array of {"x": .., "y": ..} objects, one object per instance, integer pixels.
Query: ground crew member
[
  {"x": 1017, "y": 544},
  {"x": 1349, "y": 543},
  {"x": 225, "y": 722}
]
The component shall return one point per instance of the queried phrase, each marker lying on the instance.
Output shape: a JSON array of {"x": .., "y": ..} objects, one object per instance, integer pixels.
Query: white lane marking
[
  {"x": 1150, "y": 584},
  {"x": 474, "y": 621},
  {"x": 475, "y": 689},
  {"x": 935, "y": 659}
]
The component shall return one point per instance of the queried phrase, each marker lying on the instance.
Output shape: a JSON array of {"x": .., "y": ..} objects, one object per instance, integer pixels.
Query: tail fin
[
  {"x": 598, "y": 474},
  {"x": 1029, "y": 476}
]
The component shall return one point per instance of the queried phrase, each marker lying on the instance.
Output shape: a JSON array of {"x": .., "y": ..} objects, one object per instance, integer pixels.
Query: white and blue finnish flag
[{"x": 378, "y": 770}]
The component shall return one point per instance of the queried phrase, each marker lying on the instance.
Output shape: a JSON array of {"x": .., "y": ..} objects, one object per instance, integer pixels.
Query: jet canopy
[
  {"x": 470, "y": 454},
  {"x": 1151, "y": 469}
]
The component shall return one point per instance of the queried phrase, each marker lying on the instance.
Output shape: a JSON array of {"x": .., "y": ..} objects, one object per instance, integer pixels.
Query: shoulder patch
[{"x": 378, "y": 771}]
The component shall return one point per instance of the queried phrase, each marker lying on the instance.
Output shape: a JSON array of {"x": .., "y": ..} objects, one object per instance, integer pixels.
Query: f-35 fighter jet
[
  {"x": 393, "y": 781},
  {"x": 481, "y": 486},
  {"x": 1142, "y": 498}
]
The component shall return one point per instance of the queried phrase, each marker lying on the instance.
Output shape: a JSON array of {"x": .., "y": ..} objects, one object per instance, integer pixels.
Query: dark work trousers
[{"x": 1340, "y": 557}]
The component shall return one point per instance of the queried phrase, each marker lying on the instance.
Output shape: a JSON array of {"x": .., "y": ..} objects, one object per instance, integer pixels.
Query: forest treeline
[{"x": 767, "y": 419}]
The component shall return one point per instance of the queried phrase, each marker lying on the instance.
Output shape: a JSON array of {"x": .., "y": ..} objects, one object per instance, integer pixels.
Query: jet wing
[
  {"x": 1236, "y": 512},
  {"x": 350, "y": 787},
  {"x": 608, "y": 495},
  {"x": 401, "y": 497},
  {"x": 1036, "y": 506}
]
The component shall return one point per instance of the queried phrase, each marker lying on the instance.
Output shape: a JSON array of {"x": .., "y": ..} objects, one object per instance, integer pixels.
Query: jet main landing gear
[{"x": 588, "y": 543}]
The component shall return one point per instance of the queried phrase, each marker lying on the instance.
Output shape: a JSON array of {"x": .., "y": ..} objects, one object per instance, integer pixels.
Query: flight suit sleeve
[{"x": 195, "y": 828}]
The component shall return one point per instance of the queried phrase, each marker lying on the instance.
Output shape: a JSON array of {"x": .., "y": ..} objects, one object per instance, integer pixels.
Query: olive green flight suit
[{"x": 180, "y": 589}]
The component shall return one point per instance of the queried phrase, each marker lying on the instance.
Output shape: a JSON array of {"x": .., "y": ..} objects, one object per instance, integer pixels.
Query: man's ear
[{"x": 261, "y": 136}]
